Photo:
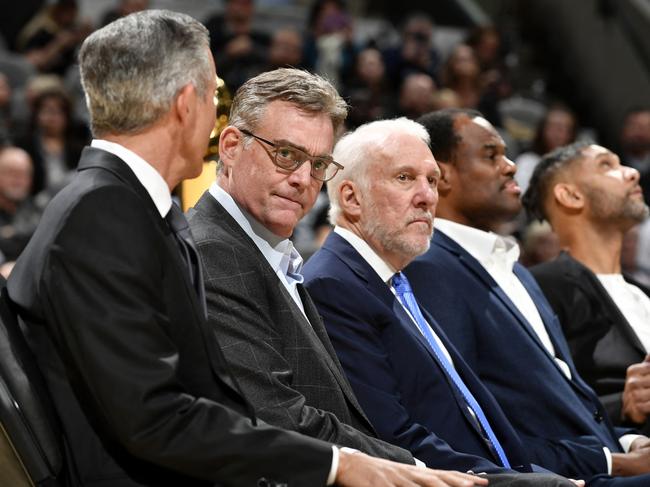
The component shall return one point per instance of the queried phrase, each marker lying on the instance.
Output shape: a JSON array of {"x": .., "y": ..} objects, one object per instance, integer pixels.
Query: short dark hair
[
  {"x": 544, "y": 174},
  {"x": 440, "y": 125}
]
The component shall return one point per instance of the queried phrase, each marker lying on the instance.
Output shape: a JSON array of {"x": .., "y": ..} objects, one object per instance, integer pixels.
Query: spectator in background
[
  {"x": 54, "y": 141},
  {"x": 50, "y": 40},
  {"x": 462, "y": 73},
  {"x": 240, "y": 50},
  {"x": 635, "y": 139},
  {"x": 329, "y": 48},
  {"x": 367, "y": 92},
  {"x": 6, "y": 120},
  {"x": 539, "y": 244},
  {"x": 559, "y": 127},
  {"x": 415, "y": 53},
  {"x": 591, "y": 201},
  {"x": 19, "y": 214},
  {"x": 285, "y": 50},
  {"x": 123, "y": 8},
  {"x": 635, "y": 144},
  {"x": 416, "y": 96}
]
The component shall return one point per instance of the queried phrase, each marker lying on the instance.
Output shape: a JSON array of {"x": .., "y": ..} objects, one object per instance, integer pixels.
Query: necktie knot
[
  {"x": 401, "y": 284},
  {"x": 176, "y": 220}
]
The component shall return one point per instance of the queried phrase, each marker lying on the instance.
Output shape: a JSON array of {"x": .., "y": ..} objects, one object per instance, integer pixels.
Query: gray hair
[
  {"x": 133, "y": 68},
  {"x": 308, "y": 92},
  {"x": 357, "y": 150}
]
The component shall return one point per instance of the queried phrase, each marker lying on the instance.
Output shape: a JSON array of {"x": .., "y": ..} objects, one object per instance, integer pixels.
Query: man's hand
[
  {"x": 360, "y": 470},
  {"x": 635, "y": 462},
  {"x": 636, "y": 394}
]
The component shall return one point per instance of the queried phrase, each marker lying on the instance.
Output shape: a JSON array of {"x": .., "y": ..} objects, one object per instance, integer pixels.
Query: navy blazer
[
  {"x": 395, "y": 376},
  {"x": 561, "y": 421}
]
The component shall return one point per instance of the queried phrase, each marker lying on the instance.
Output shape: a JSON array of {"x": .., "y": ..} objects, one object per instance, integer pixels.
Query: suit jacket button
[{"x": 598, "y": 416}]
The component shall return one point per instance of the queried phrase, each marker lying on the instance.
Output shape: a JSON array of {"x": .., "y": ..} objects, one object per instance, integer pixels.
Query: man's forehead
[
  {"x": 595, "y": 151},
  {"x": 478, "y": 132}
]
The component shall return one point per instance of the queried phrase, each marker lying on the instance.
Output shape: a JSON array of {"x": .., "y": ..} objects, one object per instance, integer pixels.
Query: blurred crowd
[{"x": 44, "y": 123}]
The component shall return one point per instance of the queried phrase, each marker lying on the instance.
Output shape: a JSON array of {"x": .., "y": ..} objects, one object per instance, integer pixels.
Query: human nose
[
  {"x": 426, "y": 194},
  {"x": 509, "y": 167},
  {"x": 631, "y": 174},
  {"x": 301, "y": 176}
]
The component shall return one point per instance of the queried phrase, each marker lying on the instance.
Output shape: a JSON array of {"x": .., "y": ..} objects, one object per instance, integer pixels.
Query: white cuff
[
  {"x": 419, "y": 463},
  {"x": 608, "y": 457},
  {"x": 627, "y": 440},
  {"x": 335, "y": 462},
  {"x": 335, "y": 466}
]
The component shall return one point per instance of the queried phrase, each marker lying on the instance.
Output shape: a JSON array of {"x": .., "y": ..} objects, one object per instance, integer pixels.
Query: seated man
[
  {"x": 416, "y": 389},
  {"x": 495, "y": 314},
  {"x": 268, "y": 328},
  {"x": 591, "y": 201}
]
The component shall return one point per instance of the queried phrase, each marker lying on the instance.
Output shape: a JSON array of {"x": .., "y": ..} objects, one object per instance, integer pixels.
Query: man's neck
[
  {"x": 597, "y": 248},
  {"x": 155, "y": 146}
]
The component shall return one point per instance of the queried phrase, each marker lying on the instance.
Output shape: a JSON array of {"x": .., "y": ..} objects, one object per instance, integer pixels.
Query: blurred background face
[
  {"x": 370, "y": 66},
  {"x": 635, "y": 136},
  {"x": 417, "y": 95},
  {"x": 51, "y": 115},
  {"x": 463, "y": 62},
  {"x": 5, "y": 91},
  {"x": 285, "y": 49},
  {"x": 15, "y": 174},
  {"x": 558, "y": 129}
]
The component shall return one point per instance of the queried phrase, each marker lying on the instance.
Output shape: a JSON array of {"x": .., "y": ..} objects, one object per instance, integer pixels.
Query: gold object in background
[{"x": 192, "y": 189}]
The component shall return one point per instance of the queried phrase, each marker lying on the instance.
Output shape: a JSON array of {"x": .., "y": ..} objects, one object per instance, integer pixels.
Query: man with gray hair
[
  {"x": 415, "y": 387},
  {"x": 274, "y": 157},
  {"x": 111, "y": 293}
]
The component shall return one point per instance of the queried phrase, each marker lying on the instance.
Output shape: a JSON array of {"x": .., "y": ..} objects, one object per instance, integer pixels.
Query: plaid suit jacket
[{"x": 285, "y": 365}]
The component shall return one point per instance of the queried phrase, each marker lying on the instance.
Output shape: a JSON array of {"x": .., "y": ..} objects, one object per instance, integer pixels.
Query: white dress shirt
[
  {"x": 151, "y": 179},
  {"x": 632, "y": 302}
]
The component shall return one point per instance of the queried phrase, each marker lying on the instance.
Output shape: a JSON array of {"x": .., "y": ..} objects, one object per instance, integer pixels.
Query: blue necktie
[{"x": 406, "y": 297}]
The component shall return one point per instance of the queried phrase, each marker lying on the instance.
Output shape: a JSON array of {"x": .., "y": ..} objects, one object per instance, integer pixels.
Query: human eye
[
  {"x": 404, "y": 177},
  {"x": 320, "y": 164}
]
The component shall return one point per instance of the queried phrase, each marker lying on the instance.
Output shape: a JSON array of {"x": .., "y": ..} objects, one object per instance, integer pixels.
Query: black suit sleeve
[{"x": 102, "y": 292}]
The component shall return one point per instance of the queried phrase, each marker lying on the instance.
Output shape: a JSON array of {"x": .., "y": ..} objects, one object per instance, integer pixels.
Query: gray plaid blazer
[{"x": 285, "y": 366}]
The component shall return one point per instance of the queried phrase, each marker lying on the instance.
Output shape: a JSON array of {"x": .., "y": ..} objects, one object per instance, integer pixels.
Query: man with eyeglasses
[{"x": 274, "y": 157}]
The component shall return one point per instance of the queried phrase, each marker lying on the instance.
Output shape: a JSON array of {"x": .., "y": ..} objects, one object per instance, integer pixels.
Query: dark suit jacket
[
  {"x": 602, "y": 342},
  {"x": 560, "y": 421},
  {"x": 396, "y": 377},
  {"x": 143, "y": 392},
  {"x": 285, "y": 365}
]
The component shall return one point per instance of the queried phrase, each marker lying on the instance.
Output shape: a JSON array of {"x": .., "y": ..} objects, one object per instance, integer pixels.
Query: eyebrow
[{"x": 304, "y": 149}]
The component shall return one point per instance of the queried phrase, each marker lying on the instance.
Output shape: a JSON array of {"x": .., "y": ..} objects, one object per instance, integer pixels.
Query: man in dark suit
[
  {"x": 418, "y": 395},
  {"x": 591, "y": 201},
  {"x": 110, "y": 289},
  {"x": 268, "y": 328},
  {"x": 495, "y": 314}
]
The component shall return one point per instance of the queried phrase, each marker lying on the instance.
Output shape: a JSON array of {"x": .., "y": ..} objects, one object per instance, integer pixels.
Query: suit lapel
[
  {"x": 479, "y": 271},
  {"x": 578, "y": 272},
  {"x": 381, "y": 290},
  {"x": 312, "y": 326}
]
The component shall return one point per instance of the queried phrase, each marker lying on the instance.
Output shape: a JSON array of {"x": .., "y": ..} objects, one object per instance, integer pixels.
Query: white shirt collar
[
  {"x": 479, "y": 244},
  {"x": 279, "y": 252},
  {"x": 151, "y": 179},
  {"x": 379, "y": 265}
]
